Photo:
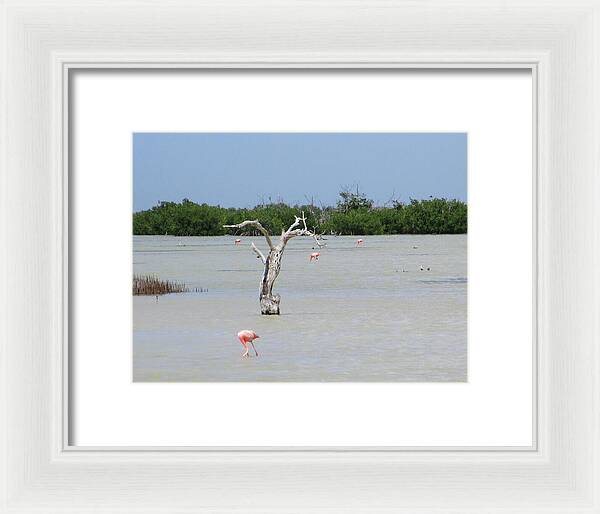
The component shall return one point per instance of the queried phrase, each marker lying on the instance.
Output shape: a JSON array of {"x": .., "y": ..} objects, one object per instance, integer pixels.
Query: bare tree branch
[
  {"x": 392, "y": 199},
  {"x": 269, "y": 301},
  {"x": 259, "y": 253},
  {"x": 295, "y": 232},
  {"x": 292, "y": 231},
  {"x": 256, "y": 224},
  {"x": 303, "y": 220},
  {"x": 319, "y": 243}
]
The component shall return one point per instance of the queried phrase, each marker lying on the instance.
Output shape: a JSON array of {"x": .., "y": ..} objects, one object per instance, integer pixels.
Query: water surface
[{"x": 358, "y": 314}]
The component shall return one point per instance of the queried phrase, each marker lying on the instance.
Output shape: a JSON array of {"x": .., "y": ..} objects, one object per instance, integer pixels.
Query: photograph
[{"x": 299, "y": 257}]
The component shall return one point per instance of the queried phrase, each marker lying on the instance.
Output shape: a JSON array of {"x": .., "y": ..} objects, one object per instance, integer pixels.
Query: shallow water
[{"x": 358, "y": 314}]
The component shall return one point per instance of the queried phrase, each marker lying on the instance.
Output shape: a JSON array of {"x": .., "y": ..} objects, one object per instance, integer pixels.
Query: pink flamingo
[
  {"x": 359, "y": 242},
  {"x": 237, "y": 241},
  {"x": 245, "y": 337},
  {"x": 314, "y": 256}
]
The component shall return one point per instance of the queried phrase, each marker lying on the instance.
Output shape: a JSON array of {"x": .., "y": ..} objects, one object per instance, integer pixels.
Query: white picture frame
[{"x": 558, "y": 41}]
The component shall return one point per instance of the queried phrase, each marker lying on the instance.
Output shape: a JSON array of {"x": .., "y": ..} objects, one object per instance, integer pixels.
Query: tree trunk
[{"x": 269, "y": 302}]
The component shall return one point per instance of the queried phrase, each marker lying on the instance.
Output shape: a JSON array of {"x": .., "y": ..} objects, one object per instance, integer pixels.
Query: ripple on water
[{"x": 450, "y": 280}]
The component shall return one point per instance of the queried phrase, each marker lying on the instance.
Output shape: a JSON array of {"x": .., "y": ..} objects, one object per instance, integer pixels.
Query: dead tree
[{"x": 269, "y": 301}]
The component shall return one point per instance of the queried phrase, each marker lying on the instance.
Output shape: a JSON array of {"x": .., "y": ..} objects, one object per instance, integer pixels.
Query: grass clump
[{"x": 150, "y": 285}]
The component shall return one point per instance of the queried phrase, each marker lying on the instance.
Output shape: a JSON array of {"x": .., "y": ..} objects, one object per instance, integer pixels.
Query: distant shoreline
[
  {"x": 325, "y": 236},
  {"x": 354, "y": 215}
]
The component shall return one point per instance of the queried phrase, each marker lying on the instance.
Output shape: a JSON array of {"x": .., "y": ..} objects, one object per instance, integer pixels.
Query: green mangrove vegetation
[{"x": 354, "y": 214}]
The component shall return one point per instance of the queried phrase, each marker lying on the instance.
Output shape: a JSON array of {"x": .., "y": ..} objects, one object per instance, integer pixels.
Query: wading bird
[
  {"x": 245, "y": 337},
  {"x": 359, "y": 242},
  {"x": 314, "y": 256},
  {"x": 237, "y": 241}
]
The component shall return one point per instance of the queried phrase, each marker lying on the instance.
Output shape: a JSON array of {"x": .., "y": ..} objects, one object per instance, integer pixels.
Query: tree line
[{"x": 354, "y": 214}]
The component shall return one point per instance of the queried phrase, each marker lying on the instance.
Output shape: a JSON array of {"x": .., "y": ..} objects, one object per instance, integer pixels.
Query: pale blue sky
[{"x": 243, "y": 169}]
